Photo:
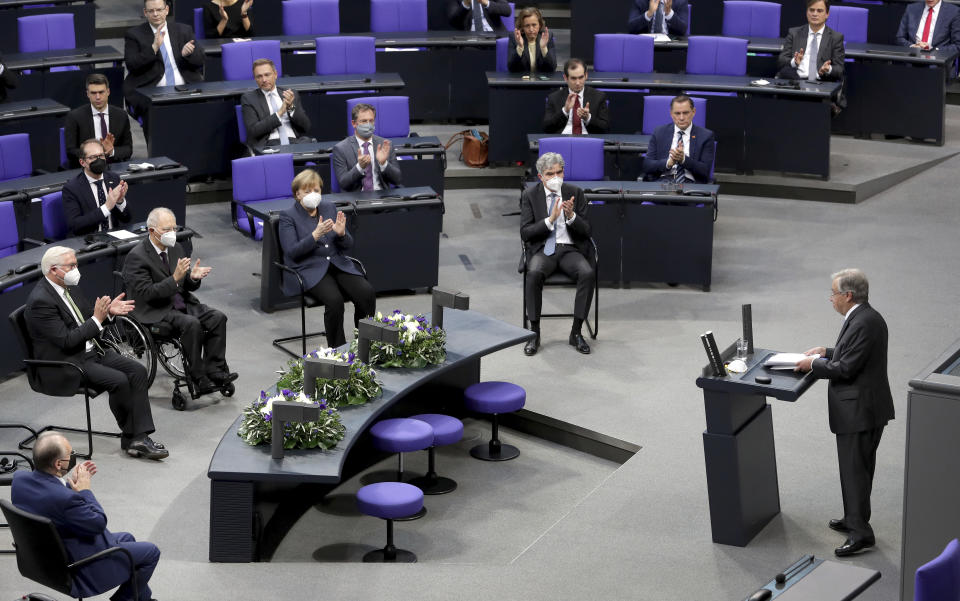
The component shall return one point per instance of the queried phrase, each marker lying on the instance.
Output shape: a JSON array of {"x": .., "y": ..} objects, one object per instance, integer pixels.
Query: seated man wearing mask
[
  {"x": 353, "y": 156},
  {"x": 95, "y": 200}
]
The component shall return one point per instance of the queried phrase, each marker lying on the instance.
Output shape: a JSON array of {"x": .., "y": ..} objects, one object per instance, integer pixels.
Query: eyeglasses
[
  {"x": 833, "y": 294},
  {"x": 94, "y": 157},
  {"x": 68, "y": 266},
  {"x": 154, "y": 11}
]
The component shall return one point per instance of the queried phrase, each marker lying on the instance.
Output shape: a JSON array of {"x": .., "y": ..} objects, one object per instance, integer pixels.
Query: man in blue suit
[
  {"x": 64, "y": 496},
  {"x": 658, "y": 16},
  {"x": 930, "y": 25},
  {"x": 680, "y": 151}
]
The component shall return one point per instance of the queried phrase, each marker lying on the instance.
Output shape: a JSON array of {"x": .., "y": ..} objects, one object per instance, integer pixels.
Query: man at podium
[{"x": 859, "y": 401}]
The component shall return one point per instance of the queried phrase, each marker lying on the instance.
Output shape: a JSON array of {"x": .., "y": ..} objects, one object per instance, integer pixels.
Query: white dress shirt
[
  {"x": 686, "y": 147},
  {"x": 274, "y": 102},
  {"x": 177, "y": 78},
  {"x": 563, "y": 236},
  {"x": 378, "y": 167},
  {"x": 76, "y": 318},
  {"x": 122, "y": 205},
  {"x": 568, "y": 128},
  {"x": 804, "y": 67},
  {"x": 933, "y": 22}
]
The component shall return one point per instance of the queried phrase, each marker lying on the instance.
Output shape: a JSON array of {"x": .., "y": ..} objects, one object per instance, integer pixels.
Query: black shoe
[
  {"x": 839, "y": 526},
  {"x": 145, "y": 447},
  {"x": 531, "y": 347},
  {"x": 203, "y": 385},
  {"x": 851, "y": 546},
  {"x": 222, "y": 378},
  {"x": 577, "y": 341}
]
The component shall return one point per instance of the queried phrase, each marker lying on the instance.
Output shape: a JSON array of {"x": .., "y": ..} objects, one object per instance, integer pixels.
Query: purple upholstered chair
[
  {"x": 851, "y": 21},
  {"x": 242, "y": 129},
  {"x": 9, "y": 236},
  {"x": 63, "y": 150},
  {"x": 656, "y": 112},
  {"x": 339, "y": 55},
  {"x": 751, "y": 19},
  {"x": 939, "y": 579},
  {"x": 389, "y": 501},
  {"x": 257, "y": 179},
  {"x": 393, "y": 115},
  {"x": 620, "y": 52},
  {"x": 398, "y": 15},
  {"x": 198, "y": 29},
  {"x": 46, "y": 32},
  {"x": 715, "y": 55},
  {"x": 503, "y": 48},
  {"x": 54, "y": 223},
  {"x": 15, "y": 161},
  {"x": 583, "y": 157},
  {"x": 311, "y": 17},
  {"x": 402, "y": 435},
  {"x": 446, "y": 430},
  {"x": 238, "y": 58},
  {"x": 494, "y": 398},
  {"x": 509, "y": 22}
]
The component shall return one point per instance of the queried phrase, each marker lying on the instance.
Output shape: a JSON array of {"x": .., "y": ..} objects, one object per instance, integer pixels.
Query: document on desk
[
  {"x": 786, "y": 360},
  {"x": 122, "y": 234},
  {"x": 657, "y": 37}
]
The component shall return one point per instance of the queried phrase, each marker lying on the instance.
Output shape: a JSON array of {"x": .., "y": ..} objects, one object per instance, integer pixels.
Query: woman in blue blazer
[{"x": 313, "y": 237}]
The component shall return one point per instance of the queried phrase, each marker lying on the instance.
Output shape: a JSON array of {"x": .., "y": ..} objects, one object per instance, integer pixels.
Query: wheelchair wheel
[
  {"x": 228, "y": 390},
  {"x": 128, "y": 338},
  {"x": 170, "y": 357}
]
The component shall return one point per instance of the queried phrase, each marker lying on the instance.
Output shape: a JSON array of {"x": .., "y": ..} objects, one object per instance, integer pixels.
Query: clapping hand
[
  {"x": 667, "y": 6},
  {"x": 518, "y": 38},
  {"x": 383, "y": 152},
  {"x": 197, "y": 272},
  {"x": 188, "y": 48},
  {"x": 363, "y": 159},
  {"x": 158, "y": 38},
  {"x": 340, "y": 226},
  {"x": 116, "y": 195},
  {"x": 288, "y": 99},
  {"x": 584, "y": 112},
  {"x": 101, "y": 308},
  {"x": 183, "y": 267},
  {"x": 118, "y": 306},
  {"x": 246, "y": 6},
  {"x": 544, "y": 38},
  {"x": 107, "y": 143},
  {"x": 798, "y": 57},
  {"x": 555, "y": 212},
  {"x": 568, "y": 208},
  {"x": 652, "y": 8},
  {"x": 80, "y": 479},
  {"x": 568, "y": 105},
  {"x": 676, "y": 155},
  {"x": 824, "y": 68},
  {"x": 223, "y": 12},
  {"x": 322, "y": 228}
]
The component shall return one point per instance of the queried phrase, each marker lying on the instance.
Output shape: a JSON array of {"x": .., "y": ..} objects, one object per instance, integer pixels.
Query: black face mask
[{"x": 98, "y": 166}]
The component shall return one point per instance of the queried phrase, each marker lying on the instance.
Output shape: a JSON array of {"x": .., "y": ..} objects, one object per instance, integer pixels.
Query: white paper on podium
[
  {"x": 122, "y": 234},
  {"x": 786, "y": 360}
]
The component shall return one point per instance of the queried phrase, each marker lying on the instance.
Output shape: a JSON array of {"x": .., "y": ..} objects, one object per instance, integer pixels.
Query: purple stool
[
  {"x": 389, "y": 501},
  {"x": 446, "y": 430},
  {"x": 494, "y": 398},
  {"x": 401, "y": 435}
]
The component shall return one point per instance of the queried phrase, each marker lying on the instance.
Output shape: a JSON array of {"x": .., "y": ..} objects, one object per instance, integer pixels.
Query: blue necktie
[
  {"x": 168, "y": 77},
  {"x": 551, "y": 246}
]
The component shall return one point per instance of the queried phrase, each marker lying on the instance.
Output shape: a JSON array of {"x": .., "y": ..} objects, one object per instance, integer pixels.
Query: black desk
[
  {"x": 422, "y": 160},
  {"x": 622, "y": 153},
  {"x": 442, "y": 70},
  {"x": 738, "y": 446},
  {"x": 67, "y": 87},
  {"x": 396, "y": 235},
  {"x": 244, "y": 480},
  {"x": 208, "y": 112},
  {"x": 11, "y": 10},
  {"x": 163, "y": 187},
  {"x": 760, "y": 142},
  {"x": 42, "y": 119}
]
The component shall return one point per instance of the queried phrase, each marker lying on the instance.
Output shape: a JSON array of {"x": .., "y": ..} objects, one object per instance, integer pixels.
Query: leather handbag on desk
[{"x": 474, "y": 148}]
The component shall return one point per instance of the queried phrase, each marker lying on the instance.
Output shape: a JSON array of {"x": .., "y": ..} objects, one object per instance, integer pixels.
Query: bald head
[{"x": 50, "y": 447}]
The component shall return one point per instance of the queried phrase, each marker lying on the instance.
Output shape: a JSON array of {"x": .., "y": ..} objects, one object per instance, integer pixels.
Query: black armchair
[{"x": 558, "y": 278}]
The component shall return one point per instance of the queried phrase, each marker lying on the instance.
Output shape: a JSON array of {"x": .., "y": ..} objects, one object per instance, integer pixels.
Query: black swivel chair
[
  {"x": 41, "y": 556},
  {"x": 42, "y": 371},
  {"x": 558, "y": 278},
  {"x": 9, "y": 468}
]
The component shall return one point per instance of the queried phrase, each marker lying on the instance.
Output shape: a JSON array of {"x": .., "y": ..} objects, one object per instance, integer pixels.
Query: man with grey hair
[
  {"x": 859, "y": 401},
  {"x": 64, "y": 495},
  {"x": 64, "y": 326},
  {"x": 159, "y": 277},
  {"x": 556, "y": 235}
]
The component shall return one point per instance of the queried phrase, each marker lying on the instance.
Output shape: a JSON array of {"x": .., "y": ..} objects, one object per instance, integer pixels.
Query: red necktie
[
  {"x": 926, "y": 26},
  {"x": 577, "y": 125}
]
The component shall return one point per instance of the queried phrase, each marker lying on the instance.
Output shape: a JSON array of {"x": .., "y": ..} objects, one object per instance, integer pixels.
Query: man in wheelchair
[{"x": 161, "y": 280}]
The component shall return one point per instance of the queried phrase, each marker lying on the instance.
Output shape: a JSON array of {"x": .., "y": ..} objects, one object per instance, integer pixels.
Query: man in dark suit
[
  {"x": 63, "y": 495},
  {"x": 158, "y": 53},
  {"x": 95, "y": 200},
  {"x": 859, "y": 401},
  {"x": 658, "y": 16},
  {"x": 556, "y": 235},
  {"x": 930, "y": 25},
  {"x": 8, "y": 79},
  {"x": 64, "y": 326},
  {"x": 98, "y": 120},
  {"x": 272, "y": 116},
  {"x": 159, "y": 278},
  {"x": 479, "y": 15},
  {"x": 576, "y": 108},
  {"x": 680, "y": 151},
  {"x": 814, "y": 51},
  {"x": 353, "y": 157}
]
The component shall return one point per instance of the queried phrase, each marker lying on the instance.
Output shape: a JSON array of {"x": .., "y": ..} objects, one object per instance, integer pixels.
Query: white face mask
[
  {"x": 553, "y": 184},
  {"x": 72, "y": 277},
  {"x": 168, "y": 239},
  {"x": 311, "y": 200}
]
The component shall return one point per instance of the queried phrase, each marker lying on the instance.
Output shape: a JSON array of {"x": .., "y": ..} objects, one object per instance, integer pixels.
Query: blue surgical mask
[{"x": 365, "y": 130}]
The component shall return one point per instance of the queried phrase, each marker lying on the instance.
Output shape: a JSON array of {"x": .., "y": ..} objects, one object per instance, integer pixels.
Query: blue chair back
[
  {"x": 241, "y": 126},
  {"x": 656, "y": 112},
  {"x": 715, "y": 55},
  {"x": 509, "y": 22},
  {"x": 334, "y": 182},
  {"x": 583, "y": 157},
  {"x": 260, "y": 178},
  {"x": 63, "y": 150},
  {"x": 939, "y": 579},
  {"x": 748, "y": 18},
  {"x": 311, "y": 17},
  {"x": 621, "y": 52},
  {"x": 46, "y": 32},
  {"x": 9, "y": 236},
  {"x": 851, "y": 21},
  {"x": 198, "y": 28},
  {"x": 15, "y": 160},
  {"x": 348, "y": 54},
  {"x": 398, "y": 15},
  {"x": 393, "y": 115},
  {"x": 503, "y": 47},
  {"x": 54, "y": 222},
  {"x": 238, "y": 58}
]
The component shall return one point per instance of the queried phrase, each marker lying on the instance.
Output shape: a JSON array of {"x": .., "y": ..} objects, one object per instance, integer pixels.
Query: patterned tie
[
  {"x": 551, "y": 245},
  {"x": 812, "y": 62},
  {"x": 168, "y": 77},
  {"x": 477, "y": 11},
  {"x": 680, "y": 173},
  {"x": 659, "y": 20},
  {"x": 368, "y": 172},
  {"x": 178, "y": 303},
  {"x": 577, "y": 124},
  {"x": 102, "y": 200},
  {"x": 79, "y": 315},
  {"x": 103, "y": 126},
  {"x": 274, "y": 98}
]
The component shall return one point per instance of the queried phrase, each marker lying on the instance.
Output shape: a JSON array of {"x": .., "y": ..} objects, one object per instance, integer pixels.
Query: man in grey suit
[
  {"x": 272, "y": 116},
  {"x": 353, "y": 156},
  {"x": 158, "y": 276},
  {"x": 858, "y": 401},
  {"x": 814, "y": 51}
]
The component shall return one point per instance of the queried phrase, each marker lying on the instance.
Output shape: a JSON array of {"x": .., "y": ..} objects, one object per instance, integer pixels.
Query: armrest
[
  {"x": 33, "y": 242},
  {"x": 359, "y": 265},
  {"x": 294, "y": 272},
  {"x": 55, "y": 363},
  {"x": 99, "y": 555},
  {"x": 522, "y": 266}
]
